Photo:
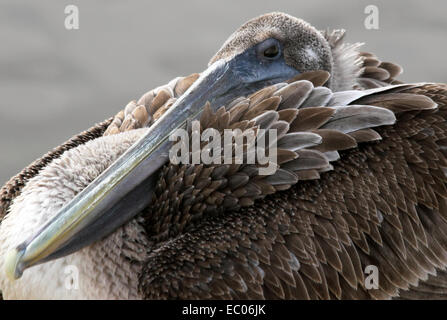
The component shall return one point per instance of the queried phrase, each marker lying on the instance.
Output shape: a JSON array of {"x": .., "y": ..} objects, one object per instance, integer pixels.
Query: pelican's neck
[{"x": 347, "y": 63}]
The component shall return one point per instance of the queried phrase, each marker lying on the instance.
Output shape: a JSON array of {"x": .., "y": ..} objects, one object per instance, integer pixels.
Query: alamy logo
[
  {"x": 71, "y": 277},
  {"x": 251, "y": 146},
  {"x": 372, "y": 18},
  {"x": 372, "y": 280},
  {"x": 72, "y": 17}
]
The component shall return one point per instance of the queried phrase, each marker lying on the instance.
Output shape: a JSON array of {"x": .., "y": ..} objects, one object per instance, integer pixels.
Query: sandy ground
[{"x": 55, "y": 83}]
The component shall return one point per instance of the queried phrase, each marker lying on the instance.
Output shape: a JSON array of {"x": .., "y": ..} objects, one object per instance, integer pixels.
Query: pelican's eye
[
  {"x": 271, "y": 52},
  {"x": 269, "y": 49}
]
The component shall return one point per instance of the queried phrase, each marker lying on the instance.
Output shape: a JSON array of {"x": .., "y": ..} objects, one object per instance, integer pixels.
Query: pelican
[{"x": 360, "y": 181}]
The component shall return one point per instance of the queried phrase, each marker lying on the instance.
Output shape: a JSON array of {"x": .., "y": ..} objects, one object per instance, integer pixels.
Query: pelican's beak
[{"x": 124, "y": 189}]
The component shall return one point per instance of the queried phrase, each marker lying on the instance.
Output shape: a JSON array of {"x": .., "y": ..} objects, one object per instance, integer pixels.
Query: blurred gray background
[{"x": 55, "y": 82}]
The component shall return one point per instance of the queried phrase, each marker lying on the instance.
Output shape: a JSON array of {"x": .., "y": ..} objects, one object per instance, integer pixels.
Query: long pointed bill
[{"x": 124, "y": 189}]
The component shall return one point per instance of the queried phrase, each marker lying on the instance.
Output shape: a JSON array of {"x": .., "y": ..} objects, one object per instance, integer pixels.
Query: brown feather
[
  {"x": 318, "y": 78},
  {"x": 311, "y": 118}
]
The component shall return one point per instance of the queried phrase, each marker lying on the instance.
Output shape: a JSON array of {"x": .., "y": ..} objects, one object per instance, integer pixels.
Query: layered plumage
[{"x": 361, "y": 181}]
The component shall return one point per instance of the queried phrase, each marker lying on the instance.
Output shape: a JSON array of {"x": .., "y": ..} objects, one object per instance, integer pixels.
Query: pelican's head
[
  {"x": 280, "y": 43},
  {"x": 266, "y": 50}
]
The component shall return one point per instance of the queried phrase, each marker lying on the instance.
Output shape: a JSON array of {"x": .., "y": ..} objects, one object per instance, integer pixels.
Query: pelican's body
[{"x": 360, "y": 182}]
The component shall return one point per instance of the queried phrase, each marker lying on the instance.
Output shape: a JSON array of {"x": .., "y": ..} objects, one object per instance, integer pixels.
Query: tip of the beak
[{"x": 13, "y": 266}]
